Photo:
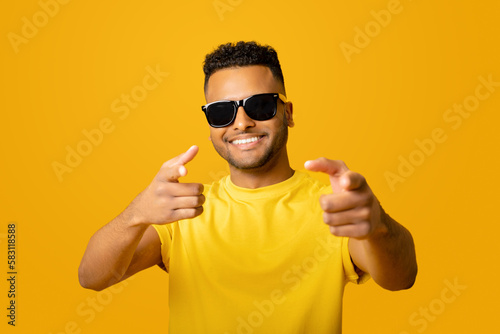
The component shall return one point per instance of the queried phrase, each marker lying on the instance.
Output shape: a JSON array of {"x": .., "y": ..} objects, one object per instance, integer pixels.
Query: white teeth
[{"x": 245, "y": 141}]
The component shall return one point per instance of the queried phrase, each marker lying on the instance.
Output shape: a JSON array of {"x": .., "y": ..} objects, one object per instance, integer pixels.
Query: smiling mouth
[{"x": 246, "y": 140}]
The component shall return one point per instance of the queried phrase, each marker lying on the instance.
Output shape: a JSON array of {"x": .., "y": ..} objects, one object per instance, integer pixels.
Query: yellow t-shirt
[{"x": 257, "y": 261}]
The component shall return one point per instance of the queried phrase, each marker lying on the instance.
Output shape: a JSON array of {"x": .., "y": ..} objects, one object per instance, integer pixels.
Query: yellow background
[{"x": 367, "y": 112}]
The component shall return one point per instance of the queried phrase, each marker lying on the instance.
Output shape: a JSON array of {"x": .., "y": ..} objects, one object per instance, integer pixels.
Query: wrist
[
  {"x": 130, "y": 218},
  {"x": 384, "y": 227}
]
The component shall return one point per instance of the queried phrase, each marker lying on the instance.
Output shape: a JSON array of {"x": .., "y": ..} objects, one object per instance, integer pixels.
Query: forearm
[
  {"x": 388, "y": 255},
  {"x": 110, "y": 252},
  {"x": 129, "y": 243}
]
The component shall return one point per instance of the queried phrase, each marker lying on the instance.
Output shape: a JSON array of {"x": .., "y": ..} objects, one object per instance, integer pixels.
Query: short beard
[{"x": 276, "y": 147}]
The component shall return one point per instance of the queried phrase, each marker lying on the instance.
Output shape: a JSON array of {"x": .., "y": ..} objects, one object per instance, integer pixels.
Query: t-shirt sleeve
[
  {"x": 350, "y": 272},
  {"x": 165, "y": 234}
]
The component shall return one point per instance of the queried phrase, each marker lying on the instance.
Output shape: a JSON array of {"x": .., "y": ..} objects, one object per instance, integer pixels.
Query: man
[{"x": 266, "y": 249}]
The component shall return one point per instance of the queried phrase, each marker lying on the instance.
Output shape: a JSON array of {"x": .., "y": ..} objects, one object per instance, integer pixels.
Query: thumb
[
  {"x": 173, "y": 169},
  {"x": 334, "y": 168},
  {"x": 187, "y": 156}
]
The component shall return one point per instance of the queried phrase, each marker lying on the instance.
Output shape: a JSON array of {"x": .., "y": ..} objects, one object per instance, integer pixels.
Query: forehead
[{"x": 237, "y": 83}]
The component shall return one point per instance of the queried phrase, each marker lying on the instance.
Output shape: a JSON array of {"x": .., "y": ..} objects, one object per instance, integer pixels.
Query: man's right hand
[
  {"x": 129, "y": 244},
  {"x": 166, "y": 200}
]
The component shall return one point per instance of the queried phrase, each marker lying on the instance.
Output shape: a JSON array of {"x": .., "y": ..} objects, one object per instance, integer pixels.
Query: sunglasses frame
[{"x": 241, "y": 103}]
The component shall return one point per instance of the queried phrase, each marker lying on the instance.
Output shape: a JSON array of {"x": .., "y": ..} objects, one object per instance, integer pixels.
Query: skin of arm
[
  {"x": 129, "y": 244},
  {"x": 378, "y": 244},
  {"x": 388, "y": 255},
  {"x": 117, "y": 251}
]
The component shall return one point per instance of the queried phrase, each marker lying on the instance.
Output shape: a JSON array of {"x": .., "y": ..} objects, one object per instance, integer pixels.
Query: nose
[{"x": 242, "y": 121}]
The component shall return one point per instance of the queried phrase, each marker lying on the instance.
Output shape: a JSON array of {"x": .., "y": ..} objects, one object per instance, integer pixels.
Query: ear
[{"x": 289, "y": 114}]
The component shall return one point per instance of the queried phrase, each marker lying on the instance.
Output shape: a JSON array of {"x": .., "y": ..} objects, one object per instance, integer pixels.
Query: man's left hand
[{"x": 352, "y": 210}]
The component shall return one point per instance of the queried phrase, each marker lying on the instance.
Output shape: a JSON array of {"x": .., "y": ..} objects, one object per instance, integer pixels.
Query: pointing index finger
[
  {"x": 330, "y": 167},
  {"x": 352, "y": 180},
  {"x": 334, "y": 168},
  {"x": 174, "y": 168},
  {"x": 188, "y": 155}
]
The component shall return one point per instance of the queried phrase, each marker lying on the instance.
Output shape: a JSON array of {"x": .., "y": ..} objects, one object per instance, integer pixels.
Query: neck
[{"x": 273, "y": 172}]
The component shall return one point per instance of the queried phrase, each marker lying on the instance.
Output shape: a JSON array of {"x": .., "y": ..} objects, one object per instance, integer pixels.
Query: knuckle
[
  {"x": 162, "y": 202},
  {"x": 193, "y": 212},
  {"x": 324, "y": 202},
  {"x": 323, "y": 160},
  {"x": 178, "y": 214},
  {"x": 165, "y": 165},
  {"x": 333, "y": 230},
  {"x": 195, "y": 202},
  {"x": 166, "y": 218},
  {"x": 188, "y": 213},
  {"x": 199, "y": 210},
  {"x": 328, "y": 218},
  {"x": 357, "y": 178},
  {"x": 364, "y": 228},
  {"x": 160, "y": 189},
  {"x": 340, "y": 163},
  {"x": 201, "y": 199},
  {"x": 354, "y": 174},
  {"x": 364, "y": 213},
  {"x": 365, "y": 199},
  {"x": 172, "y": 177},
  {"x": 360, "y": 229}
]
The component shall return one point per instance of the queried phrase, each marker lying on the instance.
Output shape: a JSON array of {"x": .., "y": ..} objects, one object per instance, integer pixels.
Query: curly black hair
[{"x": 242, "y": 54}]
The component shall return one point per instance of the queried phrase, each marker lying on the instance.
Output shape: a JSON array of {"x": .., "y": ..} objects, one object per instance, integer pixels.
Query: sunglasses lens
[
  {"x": 261, "y": 107},
  {"x": 220, "y": 114}
]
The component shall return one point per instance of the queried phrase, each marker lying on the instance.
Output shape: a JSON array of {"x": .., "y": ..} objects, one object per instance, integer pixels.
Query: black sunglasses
[{"x": 259, "y": 107}]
